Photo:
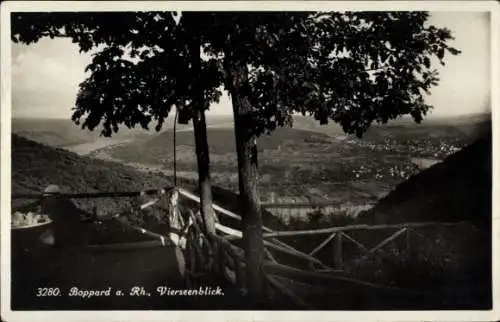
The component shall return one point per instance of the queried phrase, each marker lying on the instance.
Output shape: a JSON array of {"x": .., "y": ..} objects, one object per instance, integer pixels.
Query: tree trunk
[
  {"x": 246, "y": 148},
  {"x": 204, "y": 182},
  {"x": 201, "y": 142}
]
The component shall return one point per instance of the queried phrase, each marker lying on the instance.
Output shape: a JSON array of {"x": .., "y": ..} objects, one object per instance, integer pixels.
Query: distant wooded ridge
[{"x": 21, "y": 124}]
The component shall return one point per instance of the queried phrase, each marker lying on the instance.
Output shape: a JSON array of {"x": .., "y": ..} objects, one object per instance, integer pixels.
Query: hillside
[
  {"x": 459, "y": 188},
  {"x": 64, "y": 133},
  {"x": 53, "y": 132},
  {"x": 457, "y": 127},
  {"x": 306, "y": 132},
  {"x": 221, "y": 141},
  {"x": 458, "y": 257},
  {"x": 35, "y": 166},
  {"x": 309, "y": 161}
]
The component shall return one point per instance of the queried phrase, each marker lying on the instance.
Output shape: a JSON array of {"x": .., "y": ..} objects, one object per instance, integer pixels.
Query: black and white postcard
[{"x": 265, "y": 160}]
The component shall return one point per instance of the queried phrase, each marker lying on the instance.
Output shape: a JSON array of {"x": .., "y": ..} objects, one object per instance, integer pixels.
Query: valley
[
  {"x": 376, "y": 181},
  {"x": 304, "y": 164}
]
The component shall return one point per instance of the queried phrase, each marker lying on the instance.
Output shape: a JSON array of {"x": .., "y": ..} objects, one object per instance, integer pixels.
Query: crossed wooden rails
[
  {"x": 219, "y": 253},
  {"x": 231, "y": 260}
]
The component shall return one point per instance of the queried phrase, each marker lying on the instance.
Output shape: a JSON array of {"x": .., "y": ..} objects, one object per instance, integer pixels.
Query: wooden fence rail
[
  {"x": 323, "y": 244},
  {"x": 290, "y": 233},
  {"x": 228, "y": 259},
  {"x": 90, "y": 195}
]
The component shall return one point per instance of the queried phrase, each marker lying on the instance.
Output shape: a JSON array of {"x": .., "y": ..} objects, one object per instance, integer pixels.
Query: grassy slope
[
  {"x": 457, "y": 189},
  {"x": 457, "y": 258},
  {"x": 35, "y": 166},
  {"x": 221, "y": 140}
]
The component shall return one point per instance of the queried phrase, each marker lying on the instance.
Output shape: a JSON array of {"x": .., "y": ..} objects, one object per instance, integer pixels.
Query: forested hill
[
  {"x": 459, "y": 188},
  {"x": 35, "y": 166}
]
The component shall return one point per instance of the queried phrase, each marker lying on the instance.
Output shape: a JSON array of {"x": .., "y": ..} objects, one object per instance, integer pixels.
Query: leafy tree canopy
[
  {"x": 353, "y": 68},
  {"x": 140, "y": 69}
]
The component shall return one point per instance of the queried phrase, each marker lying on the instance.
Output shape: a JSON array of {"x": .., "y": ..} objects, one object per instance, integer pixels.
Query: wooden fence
[
  {"x": 218, "y": 254},
  {"x": 232, "y": 263}
]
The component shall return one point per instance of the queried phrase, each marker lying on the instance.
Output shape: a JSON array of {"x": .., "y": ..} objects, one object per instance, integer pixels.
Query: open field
[
  {"x": 311, "y": 162},
  {"x": 306, "y": 163}
]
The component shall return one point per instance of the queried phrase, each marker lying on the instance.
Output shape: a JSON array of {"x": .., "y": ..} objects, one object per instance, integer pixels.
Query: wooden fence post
[
  {"x": 239, "y": 275},
  {"x": 337, "y": 250},
  {"x": 221, "y": 254},
  {"x": 94, "y": 213},
  {"x": 408, "y": 242}
]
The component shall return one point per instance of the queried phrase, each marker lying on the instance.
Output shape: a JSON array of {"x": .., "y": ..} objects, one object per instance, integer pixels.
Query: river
[
  {"x": 89, "y": 147},
  {"x": 424, "y": 163}
]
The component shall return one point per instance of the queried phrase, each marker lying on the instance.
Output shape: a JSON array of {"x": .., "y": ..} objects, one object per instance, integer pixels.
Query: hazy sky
[{"x": 45, "y": 75}]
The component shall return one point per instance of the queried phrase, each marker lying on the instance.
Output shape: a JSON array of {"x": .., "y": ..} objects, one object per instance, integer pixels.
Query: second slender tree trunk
[
  {"x": 246, "y": 148},
  {"x": 204, "y": 181},
  {"x": 201, "y": 141}
]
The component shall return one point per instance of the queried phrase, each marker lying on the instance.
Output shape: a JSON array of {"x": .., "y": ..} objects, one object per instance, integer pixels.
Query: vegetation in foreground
[
  {"x": 444, "y": 259},
  {"x": 454, "y": 262}
]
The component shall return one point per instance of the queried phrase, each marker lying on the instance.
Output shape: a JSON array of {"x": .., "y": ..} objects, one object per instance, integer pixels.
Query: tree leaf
[
  {"x": 427, "y": 62},
  {"x": 440, "y": 53}
]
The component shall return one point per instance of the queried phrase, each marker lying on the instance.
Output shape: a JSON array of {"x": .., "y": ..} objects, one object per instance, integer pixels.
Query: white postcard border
[{"x": 36, "y": 6}]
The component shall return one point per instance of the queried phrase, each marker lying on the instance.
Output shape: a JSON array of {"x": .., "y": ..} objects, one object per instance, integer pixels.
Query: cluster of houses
[
  {"x": 424, "y": 148},
  {"x": 398, "y": 171},
  {"x": 419, "y": 147}
]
